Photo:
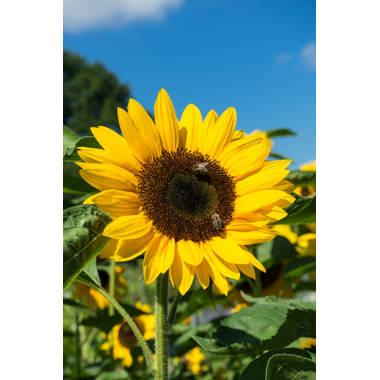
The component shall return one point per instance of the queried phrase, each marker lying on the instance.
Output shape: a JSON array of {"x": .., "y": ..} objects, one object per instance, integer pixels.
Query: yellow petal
[
  {"x": 146, "y": 125},
  {"x": 190, "y": 252},
  {"x": 256, "y": 263},
  {"x": 228, "y": 250},
  {"x": 203, "y": 274},
  {"x": 113, "y": 143},
  {"x": 220, "y": 134},
  {"x": 244, "y": 233},
  {"x": 210, "y": 119},
  {"x": 181, "y": 274},
  {"x": 225, "y": 268},
  {"x": 247, "y": 157},
  {"x": 107, "y": 157},
  {"x": 128, "y": 227},
  {"x": 251, "y": 202},
  {"x": 142, "y": 148},
  {"x": 117, "y": 203},
  {"x": 271, "y": 173},
  {"x": 127, "y": 249},
  {"x": 165, "y": 256},
  {"x": 191, "y": 120},
  {"x": 105, "y": 176},
  {"x": 151, "y": 267},
  {"x": 247, "y": 269},
  {"x": 166, "y": 121},
  {"x": 218, "y": 279}
]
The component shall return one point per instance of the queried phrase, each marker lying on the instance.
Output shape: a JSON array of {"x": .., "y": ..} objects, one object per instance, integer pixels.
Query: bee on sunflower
[{"x": 190, "y": 193}]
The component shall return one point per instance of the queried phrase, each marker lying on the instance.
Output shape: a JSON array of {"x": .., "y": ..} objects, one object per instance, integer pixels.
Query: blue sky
[{"x": 255, "y": 55}]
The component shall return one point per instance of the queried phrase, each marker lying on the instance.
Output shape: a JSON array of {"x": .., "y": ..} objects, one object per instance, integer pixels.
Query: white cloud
[
  {"x": 283, "y": 58},
  {"x": 308, "y": 55},
  {"x": 80, "y": 15}
]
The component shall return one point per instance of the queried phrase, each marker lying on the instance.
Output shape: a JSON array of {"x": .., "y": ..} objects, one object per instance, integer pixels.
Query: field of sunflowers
[{"x": 189, "y": 250}]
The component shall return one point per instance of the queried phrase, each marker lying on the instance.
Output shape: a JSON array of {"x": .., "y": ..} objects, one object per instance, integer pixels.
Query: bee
[
  {"x": 201, "y": 167},
  {"x": 217, "y": 221}
]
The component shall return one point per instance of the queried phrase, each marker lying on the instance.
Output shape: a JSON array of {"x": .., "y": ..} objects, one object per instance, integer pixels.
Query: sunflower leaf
[
  {"x": 302, "y": 177},
  {"x": 289, "y": 367},
  {"x": 82, "y": 241},
  {"x": 299, "y": 266},
  {"x": 280, "y": 132},
  {"x": 301, "y": 211},
  {"x": 257, "y": 369},
  {"x": 270, "y": 323},
  {"x": 277, "y": 156},
  {"x": 71, "y": 152},
  {"x": 69, "y": 138}
]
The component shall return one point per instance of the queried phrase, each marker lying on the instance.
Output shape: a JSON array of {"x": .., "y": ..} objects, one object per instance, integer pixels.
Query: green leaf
[
  {"x": 71, "y": 152},
  {"x": 271, "y": 322},
  {"x": 69, "y": 138},
  {"x": 277, "y": 156},
  {"x": 280, "y": 132},
  {"x": 302, "y": 177},
  {"x": 82, "y": 239},
  {"x": 290, "y": 367},
  {"x": 299, "y": 266},
  {"x": 301, "y": 211},
  {"x": 257, "y": 369},
  {"x": 76, "y": 185},
  {"x": 275, "y": 251}
]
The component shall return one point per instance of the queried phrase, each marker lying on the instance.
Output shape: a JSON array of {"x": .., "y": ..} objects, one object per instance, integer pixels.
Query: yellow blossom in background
[
  {"x": 238, "y": 307},
  {"x": 305, "y": 243},
  {"x": 92, "y": 298},
  {"x": 307, "y": 191},
  {"x": 122, "y": 338},
  {"x": 194, "y": 359},
  {"x": 190, "y": 193},
  {"x": 308, "y": 343}
]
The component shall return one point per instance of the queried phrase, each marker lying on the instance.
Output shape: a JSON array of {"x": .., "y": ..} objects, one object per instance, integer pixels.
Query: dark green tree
[{"x": 90, "y": 94}]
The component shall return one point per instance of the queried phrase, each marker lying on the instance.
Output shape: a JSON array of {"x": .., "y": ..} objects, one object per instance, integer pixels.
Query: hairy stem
[{"x": 161, "y": 309}]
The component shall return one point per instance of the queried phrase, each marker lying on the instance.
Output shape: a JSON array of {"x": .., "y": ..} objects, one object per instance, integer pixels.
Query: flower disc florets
[{"x": 181, "y": 191}]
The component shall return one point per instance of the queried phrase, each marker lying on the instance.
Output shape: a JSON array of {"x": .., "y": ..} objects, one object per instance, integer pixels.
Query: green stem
[
  {"x": 131, "y": 323},
  {"x": 112, "y": 286},
  {"x": 78, "y": 346},
  {"x": 173, "y": 309},
  {"x": 161, "y": 309}
]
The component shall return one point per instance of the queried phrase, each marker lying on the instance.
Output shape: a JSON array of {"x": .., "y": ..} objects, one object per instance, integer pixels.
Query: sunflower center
[
  {"x": 191, "y": 197},
  {"x": 186, "y": 195}
]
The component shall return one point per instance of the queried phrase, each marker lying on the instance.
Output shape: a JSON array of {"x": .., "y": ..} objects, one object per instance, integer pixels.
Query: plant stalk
[
  {"x": 161, "y": 310},
  {"x": 78, "y": 352},
  {"x": 112, "y": 286},
  {"x": 131, "y": 323}
]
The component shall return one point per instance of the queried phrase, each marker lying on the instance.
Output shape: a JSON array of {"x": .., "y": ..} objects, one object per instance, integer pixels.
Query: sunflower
[
  {"x": 194, "y": 359},
  {"x": 190, "y": 193},
  {"x": 123, "y": 339},
  {"x": 95, "y": 299}
]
